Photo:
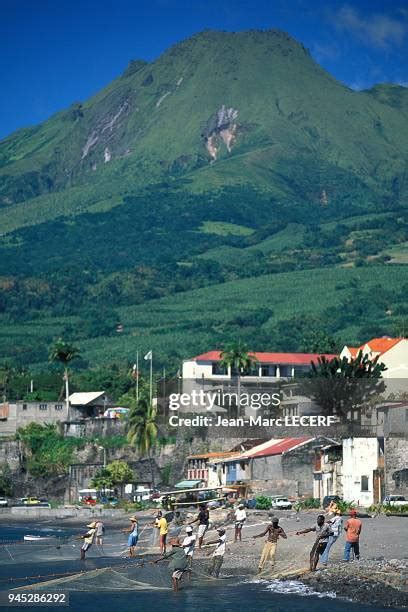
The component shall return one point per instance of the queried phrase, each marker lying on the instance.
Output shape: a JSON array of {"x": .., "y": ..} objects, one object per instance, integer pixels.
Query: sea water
[{"x": 223, "y": 595}]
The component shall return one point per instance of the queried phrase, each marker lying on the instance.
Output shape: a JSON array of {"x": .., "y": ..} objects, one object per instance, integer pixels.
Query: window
[
  {"x": 24, "y": 406},
  {"x": 43, "y": 406},
  {"x": 59, "y": 406},
  {"x": 364, "y": 483},
  {"x": 285, "y": 371},
  {"x": 268, "y": 370},
  {"x": 218, "y": 369}
]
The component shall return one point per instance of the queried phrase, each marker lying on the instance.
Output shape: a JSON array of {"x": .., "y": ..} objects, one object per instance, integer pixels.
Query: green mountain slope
[
  {"x": 258, "y": 94},
  {"x": 232, "y": 156}
]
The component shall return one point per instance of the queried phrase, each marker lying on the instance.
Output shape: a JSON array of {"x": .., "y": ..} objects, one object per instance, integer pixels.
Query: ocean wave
[{"x": 292, "y": 587}]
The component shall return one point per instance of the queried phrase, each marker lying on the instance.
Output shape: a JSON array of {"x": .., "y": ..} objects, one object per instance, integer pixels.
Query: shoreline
[{"x": 380, "y": 578}]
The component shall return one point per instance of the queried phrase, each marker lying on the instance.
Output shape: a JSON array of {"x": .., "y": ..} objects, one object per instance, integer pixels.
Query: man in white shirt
[
  {"x": 218, "y": 554},
  {"x": 188, "y": 544},
  {"x": 240, "y": 518},
  {"x": 336, "y": 524}
]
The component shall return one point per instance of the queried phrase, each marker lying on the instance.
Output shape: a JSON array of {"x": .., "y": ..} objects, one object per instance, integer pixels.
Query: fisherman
[
  {"x": 353, "y": 529},
  {"x": 203, "y": 520},
  {"x": 335, "y": 523},
  {"x": 188, "y": 544},
  {"x": 269, "y": 550},
  {"x": 218, "y": 554},
  {"x": 323, "y": 532},
  {"x": 162, "y": 525},
  {"x": 240, "y": 518},
  {"x": 133, "y": 532},
  {"x": 100, "y": 531},
  {"x": 88, "y": 538},
  {"x": 178, "y": 562}
]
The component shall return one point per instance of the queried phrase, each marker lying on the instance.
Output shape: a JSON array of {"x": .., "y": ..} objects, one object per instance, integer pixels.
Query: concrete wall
[
  {"x": 289, "y": 474},
  {"x": 396, "y": 466},
  {"x": 360, "y": 458},
  {"x": 396, "y": 360},
  {"x": 94, "y": 427},
  {"x": 23, "y": 413}
]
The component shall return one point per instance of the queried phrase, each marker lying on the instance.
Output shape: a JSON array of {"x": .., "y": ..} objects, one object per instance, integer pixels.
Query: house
[
  {"x": 282, "y": 466},
  {"x": 89, "y": 404},
  {"x": 204, "y": 467},
  {"x": 396, "y": 466},
  {"x": 269, "y": 366},
  {"x": 392, "y": 352},
  {"x": 271, "y": 372},
  {"x": 387, "y": 418},
  {"x": 327, "y": 475},
  {"x": 363, "y": 470},
  {"x": 19, "y": 414}
]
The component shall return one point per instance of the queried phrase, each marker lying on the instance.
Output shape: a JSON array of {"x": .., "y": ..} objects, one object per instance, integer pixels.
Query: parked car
[
  {"x": 250, "y": 503},
  {"x": 395, "y": 500},
  {"x": 330, "y": 498},
  {"x": 30, "y": 501},
  {"x": 3, "y": 502},
  {"x": 89, "y": 501},
  {"x": 109, "y": 501},
  {"x": 281, "y": 503}
]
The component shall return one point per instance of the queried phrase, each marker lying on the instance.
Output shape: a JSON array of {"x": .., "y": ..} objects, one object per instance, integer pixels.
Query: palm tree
[
  {"x": 142, "y": 428},
  {"x": 64, "y": 353},
  {"x": 238, "y": 360}
]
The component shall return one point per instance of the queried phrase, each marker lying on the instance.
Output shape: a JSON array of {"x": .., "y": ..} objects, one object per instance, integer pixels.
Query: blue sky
[{"x": 55, "y": 52}]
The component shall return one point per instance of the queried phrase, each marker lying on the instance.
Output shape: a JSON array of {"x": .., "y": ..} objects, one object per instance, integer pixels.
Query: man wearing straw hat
[
  {"x": 133, "y": 532},
  {"x": 88, "y": 538}
]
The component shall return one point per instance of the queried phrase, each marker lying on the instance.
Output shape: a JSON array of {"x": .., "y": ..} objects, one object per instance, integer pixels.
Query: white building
[
  {"x": 392, "y": 352},
  {"x": 363, "y": 470},
  {"x": 269, "y": 366},
  {"x": 205, "y": 373}
]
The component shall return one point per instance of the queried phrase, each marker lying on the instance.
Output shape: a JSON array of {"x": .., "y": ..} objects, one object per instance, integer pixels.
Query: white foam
[{"x": 292, "y": 587}]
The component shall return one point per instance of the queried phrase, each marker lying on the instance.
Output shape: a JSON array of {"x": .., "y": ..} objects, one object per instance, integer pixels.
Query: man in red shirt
[{"x": 353, "y": 529}]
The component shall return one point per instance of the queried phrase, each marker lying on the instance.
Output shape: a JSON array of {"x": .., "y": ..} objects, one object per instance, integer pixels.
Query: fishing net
[
  {"x": 130, "y": 578},
  {"x": 104, "y": 579}
]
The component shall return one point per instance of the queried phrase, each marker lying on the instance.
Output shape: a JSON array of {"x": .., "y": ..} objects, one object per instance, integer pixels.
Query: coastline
[{"x": 379, "y": 579}]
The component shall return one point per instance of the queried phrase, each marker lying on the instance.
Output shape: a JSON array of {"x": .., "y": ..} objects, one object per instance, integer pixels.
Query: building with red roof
[
  {"x": 267, "y": 365},
  {"x": 280, "y": 466},
  {"x": 392, "y": 352}
]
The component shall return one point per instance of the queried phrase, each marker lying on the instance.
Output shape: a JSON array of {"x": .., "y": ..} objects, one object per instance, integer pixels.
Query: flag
[{"x": 148, "y": 356}]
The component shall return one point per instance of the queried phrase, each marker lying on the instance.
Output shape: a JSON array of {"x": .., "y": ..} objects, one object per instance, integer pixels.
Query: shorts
[
  {"x": 86, "y": 546},
  {"x": 177, "y": 574},
  {"x": 132, "y": 540},
  {"x": 239, "y": 525},
  {"x": 201, "y": 530}
]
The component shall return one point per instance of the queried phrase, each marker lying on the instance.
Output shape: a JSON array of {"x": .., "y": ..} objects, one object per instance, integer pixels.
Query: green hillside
[{"x": 231, "y": 159}]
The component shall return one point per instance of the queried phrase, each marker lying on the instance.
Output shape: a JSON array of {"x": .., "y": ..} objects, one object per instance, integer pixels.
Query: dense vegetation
[{"x": 119, "y": 234}]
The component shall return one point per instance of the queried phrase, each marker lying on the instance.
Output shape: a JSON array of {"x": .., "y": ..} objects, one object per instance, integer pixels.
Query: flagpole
[
  {"x": 137, "y": 376},
  {"x": 151, "y": 377}
]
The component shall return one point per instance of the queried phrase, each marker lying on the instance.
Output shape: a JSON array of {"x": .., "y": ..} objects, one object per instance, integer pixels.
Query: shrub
[
  {"x": 308, "y": 503},
  {"x": 263, "y": 502}
]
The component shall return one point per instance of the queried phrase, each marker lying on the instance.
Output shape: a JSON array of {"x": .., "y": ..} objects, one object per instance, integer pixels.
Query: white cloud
[{"x": 376, "y": 30}]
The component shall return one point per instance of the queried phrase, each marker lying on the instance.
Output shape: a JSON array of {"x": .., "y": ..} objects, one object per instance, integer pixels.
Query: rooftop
[{"x": 269, "y": 358}]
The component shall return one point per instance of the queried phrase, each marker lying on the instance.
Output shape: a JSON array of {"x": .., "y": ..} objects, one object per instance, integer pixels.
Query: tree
[
  {"x": 64, "y": 352},
  {"x": 238, "y": 360},
  {"x": 142, "y": 427},
  {"x": 340, "y": 386},
  {"x": 6, "y": 482},
  {"x": 102, "y": 480},
  {"x": 120, "y": 474}
]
